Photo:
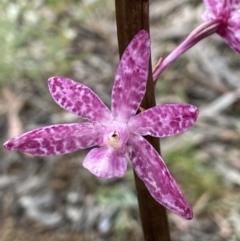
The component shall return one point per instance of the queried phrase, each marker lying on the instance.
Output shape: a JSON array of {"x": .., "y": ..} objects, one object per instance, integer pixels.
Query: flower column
[{"x": 132, "y": 16}]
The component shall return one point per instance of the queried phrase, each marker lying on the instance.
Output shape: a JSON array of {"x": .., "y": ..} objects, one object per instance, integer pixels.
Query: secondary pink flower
[
  {"x": 118, "y": 131},
  {"x": 221, "y": 17},
  {"x": 226, "y": 13}
]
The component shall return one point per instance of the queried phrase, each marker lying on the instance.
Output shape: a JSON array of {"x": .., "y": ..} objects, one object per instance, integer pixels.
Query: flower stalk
[
  {"x": 221, "y": 17},
  {"x": 201, "y": 32},
  {"x": 131, "y": 17}
]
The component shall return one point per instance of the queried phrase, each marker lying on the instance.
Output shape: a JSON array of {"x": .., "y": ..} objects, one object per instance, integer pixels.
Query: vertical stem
[{"x": 132, "y": 16}]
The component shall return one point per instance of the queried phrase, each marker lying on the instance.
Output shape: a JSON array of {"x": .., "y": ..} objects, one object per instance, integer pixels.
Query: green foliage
[
  {"x": 117, "y": 196},
  {"x": 194, "y": 176},
  {"x": 123, "y": 199},
  {"x": 28, "y": 46},
  {"x": 35, "y": 37}
]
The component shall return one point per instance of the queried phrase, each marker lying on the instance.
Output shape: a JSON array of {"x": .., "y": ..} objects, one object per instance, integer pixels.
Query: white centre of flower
[
  {"x": 113, "y": 140},
  {"x": 115, "y": 137}
]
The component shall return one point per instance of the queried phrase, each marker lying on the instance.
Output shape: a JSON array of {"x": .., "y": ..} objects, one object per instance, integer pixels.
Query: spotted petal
[
  {"x": 164, "y": 120},
  {"x": 150, "y": 167},
  {"x": 226, "y": 13},
  {"x": 57, "y": 139},
  {"x": 232, "y": 34},
  {"x": 78, "y": 99},
  {"x": 213, "y": 8},
  {"x": 131, "y": 77},
  {"x": 218, "y": 7},
  {"x": 105, "y": 162}
]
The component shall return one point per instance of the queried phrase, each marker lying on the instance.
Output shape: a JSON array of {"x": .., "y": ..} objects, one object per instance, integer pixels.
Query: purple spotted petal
[
  {"x": 213, "y": 8},
  {"x": 105, "y": 162},
  {"x": 150, "y": 167},
  {"x": 164, "y": 120},
  {"x": 131, "y": 77},
  {"x": 232, "y": 34},
  {"x": 79, "y": 99},
  {"x": 57, "y": 139},
  {"x": 219, "y": 8},
  {"x": 226, "y": 12}
]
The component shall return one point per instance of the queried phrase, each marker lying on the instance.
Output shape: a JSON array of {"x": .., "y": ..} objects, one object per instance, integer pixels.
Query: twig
[{"x": 133, "y": 16}]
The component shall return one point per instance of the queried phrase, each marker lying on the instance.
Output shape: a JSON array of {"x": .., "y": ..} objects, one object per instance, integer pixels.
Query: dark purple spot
[
  {"x": 29, "y": 144},
  {"x": 134, "y": 45},
  {"x": 86, "y": 99},
  {"x": 45, "y": 143},
  {"x": 59, "y": 146},
  {"x": 174, "y": 124},
  {"x": 130, "y": 63},
  {"x": 178, "y": 119},
  {"x": 57, "y": 96},
  {"x": 53, "y": 87},
  {"x": 70, "y": 145},
  {"x": 9, "y": 145},
  {"x": 78, "y": 104}
]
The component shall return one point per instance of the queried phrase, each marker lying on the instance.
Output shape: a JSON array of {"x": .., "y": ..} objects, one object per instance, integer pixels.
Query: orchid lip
[
  {"x": 115, "y": 137},
  {"x": 113, "y": 140}
]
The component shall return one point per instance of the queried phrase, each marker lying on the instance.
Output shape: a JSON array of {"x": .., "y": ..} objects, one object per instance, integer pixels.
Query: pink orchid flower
[
  {"x": 227, "y": 16},
  {"x": 221, "y": 17},
  {"x": 118, "y": 131}
]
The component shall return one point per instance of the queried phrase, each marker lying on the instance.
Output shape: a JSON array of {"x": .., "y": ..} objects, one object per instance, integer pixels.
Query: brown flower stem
[{"x": 132, "y": 16}]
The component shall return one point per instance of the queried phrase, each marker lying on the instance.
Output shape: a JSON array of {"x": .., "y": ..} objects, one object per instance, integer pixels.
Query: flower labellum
[{"x": 117, "y": 132}]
